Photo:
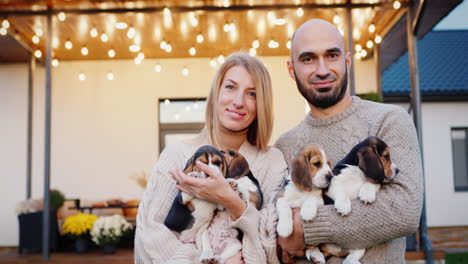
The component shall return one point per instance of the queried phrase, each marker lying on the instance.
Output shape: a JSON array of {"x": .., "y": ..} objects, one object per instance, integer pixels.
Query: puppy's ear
[
  {"x": 370, "y": 164},
  {"x": 189, "y": 165},
  {"x": 300, "y": 173},
  {"x": 238, "y": 167},
  {"x": 224, "y": 166}
]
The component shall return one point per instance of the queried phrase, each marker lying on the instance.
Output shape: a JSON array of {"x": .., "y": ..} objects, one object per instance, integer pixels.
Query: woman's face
[{"x": 237, "y": 104}]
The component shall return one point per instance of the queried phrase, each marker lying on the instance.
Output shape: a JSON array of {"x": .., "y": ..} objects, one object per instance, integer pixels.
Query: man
[{"x": 337, "y": 121}]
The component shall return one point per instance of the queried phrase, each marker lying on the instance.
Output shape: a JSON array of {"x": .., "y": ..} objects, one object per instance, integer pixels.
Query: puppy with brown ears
[
  {"x": 359, "y": 176},
  {"x": 190, "y": 215},
  {"x": 311, "y": 172}
]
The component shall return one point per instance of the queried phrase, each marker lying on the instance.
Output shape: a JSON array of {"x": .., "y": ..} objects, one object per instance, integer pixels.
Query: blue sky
[{"x": 457, "y": 19}]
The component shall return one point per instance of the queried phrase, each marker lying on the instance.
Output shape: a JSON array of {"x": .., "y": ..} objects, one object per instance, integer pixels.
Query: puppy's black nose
[
  {"x": 397, "y": 171},
  {"x": 329, "y": 177}
]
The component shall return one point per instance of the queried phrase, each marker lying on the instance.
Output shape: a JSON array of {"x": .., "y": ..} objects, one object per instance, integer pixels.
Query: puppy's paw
[
  {"x": 343, "y": 206},
  {"x": 315, "y": 256},
  {"x": 210, "y": 258},
  {"x": 351, "y": 261},
  {"x": 367, "y": 196},
  {"x": 235, "y": 186},
  {"x": 308, "y": 213},
  {"x": 284, "y": 228}
]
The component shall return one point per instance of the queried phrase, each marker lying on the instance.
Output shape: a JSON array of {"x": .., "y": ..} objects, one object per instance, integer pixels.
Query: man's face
[{"x": 319, "y": 66}]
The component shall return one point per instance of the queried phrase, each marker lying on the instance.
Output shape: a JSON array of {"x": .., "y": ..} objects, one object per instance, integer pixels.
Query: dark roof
[{"x": 443, "y": 67}]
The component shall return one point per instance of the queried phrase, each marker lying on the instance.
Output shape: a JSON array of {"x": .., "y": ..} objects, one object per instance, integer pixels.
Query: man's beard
[{"x": 324, "y": 101}]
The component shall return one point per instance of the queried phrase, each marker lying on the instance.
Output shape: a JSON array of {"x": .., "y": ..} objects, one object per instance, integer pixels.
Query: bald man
[{"x": 337, "y": 121}]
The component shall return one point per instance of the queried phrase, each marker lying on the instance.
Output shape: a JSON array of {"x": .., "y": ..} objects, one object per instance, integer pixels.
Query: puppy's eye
[
  {"x": 217, "y": 162},
  {"x": 387, "y": 157},
  {"x": 317, "y": 164},
  {"x": 232, "y": 153}
]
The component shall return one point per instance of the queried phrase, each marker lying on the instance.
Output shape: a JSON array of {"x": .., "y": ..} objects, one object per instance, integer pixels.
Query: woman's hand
[{"x": 213, "y": 188}]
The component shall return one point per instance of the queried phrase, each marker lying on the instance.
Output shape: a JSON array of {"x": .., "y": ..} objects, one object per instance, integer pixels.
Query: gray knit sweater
[{"x": 380, "y": 227}]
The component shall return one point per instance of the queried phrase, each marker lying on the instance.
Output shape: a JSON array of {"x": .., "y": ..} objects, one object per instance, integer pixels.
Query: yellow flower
[{"x": 78, "y": 225}]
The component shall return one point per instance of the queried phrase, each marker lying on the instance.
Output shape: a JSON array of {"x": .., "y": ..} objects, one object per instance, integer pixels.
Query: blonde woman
[{"x": 239, "y": 116}]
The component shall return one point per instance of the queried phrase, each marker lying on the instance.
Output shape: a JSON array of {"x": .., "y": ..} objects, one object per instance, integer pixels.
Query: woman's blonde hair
[{"x": 259, "y": 132}]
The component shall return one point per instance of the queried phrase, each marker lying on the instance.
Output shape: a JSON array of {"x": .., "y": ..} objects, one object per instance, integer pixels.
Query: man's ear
[
  {"x": 348, "y": 60},
  {"x": 291, "y": 70}
]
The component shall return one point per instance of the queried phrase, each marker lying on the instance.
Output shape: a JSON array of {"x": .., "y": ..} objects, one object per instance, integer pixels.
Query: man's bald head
[{"x": 316, "y": 29}]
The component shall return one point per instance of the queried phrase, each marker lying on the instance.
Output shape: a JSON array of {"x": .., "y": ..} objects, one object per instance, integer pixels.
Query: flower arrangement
[
  {"x": 79, "y": 226},
  {"x": 108, "y": 230}
]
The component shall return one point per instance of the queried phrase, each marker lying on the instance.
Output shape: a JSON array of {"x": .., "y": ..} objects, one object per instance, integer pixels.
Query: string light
[
  {"x": 226, "y": 27},
  {"x": 336, "y": 19},
  {"x": 84, "y": 51},
  {"x": 104, "y": 37},
  {"x": 185, "y": 71},
  {"x": 111, "y": 53},
  {"x": 192, "y": 51},
  {"x": 158, "y": 68},
  {"x": 358, "y": 48},
  {"x": 82, "y": 76},
  {"x": 131, "y": 33},
  {"x": 255, "y": 44},
  {"x": 378, "y": 39},
  {"x": 93, "y": 32},
  {"x": 141, "y": 56},
  {"x": 200, "y": 38},
  {"x": 39, "y": 32},
  {"x": 213, "y": 63},
  {"x": 68, "y": 45},
  {"x": 363, "y": 53},
  {"x": 300, "y": 12},
  {"x": 273, "y": 44},
  {"x": 5, "y": 24},
  {"x": 134, "y": 48},
  {"x": 279, "y": 21},
  {"x": 37, "y": 53},
  {"x": 168, "y": 48},
  {"x": 358, "y": 55},
  {"x": 220, "y": 59},
  {"x": 163, "y": 45},
  {"x": 110, "y": 76},
  {"x": 252, "y": 52},
  {"x": 396, "y": 4},
  {"x": 61, "y": 16},
  {"x": 3, "y": 31},
  {"x": 372, "y": 28},
  {"x": 35, "y": 39},
  {"x": 121, "y": 25},
  {"x": 55, "y": 63},
  {"x": 167, "y": 101},
  {"x": 369, "y": 44},
  {"x": 288, "y": 44},
  {"x": 137, "y": 61}
]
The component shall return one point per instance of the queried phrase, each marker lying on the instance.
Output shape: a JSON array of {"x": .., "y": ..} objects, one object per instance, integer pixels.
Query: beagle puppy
[
  {"x": 188, "y": 215},
  {"x": 311, "y": 172},
  {"x": 359, "y": 176}
]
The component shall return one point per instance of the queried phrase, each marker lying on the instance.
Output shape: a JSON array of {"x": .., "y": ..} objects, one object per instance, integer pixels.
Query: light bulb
[
  {"x": 192, "y": 51},
  {"x": 111, "y": 53},
  {"x": 93, "y": 32},
  {"x": 84, "y": 51},
  {"x": 38, "y": 53},
  {"x": 200, "y": 38},
  {"x": 68, "y": 45},
  {"x": 300, "y": 12},
  {"x": 61, "y": 16}
]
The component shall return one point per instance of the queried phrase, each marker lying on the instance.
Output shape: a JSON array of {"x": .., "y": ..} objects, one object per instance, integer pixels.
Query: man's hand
[{"x": 292, "y": 247}]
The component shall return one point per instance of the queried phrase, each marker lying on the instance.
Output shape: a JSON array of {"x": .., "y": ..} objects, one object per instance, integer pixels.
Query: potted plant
[
  {"x": 78, "y": 228},
  {"x": 30, "y": 222},
  {"x": 108, "y": 230}
]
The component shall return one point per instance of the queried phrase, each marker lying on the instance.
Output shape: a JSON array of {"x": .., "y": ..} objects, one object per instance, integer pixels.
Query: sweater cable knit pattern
[{"x": 380, "y": 227}]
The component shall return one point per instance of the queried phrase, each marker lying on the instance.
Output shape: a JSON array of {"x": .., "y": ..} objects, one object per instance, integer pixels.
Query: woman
[{"x": 239, "y": 116}]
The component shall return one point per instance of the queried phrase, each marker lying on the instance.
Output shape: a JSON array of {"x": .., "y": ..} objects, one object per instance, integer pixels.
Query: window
[
  {"x": 460, "y": 158},
  {"x": 180, "y": 119}
]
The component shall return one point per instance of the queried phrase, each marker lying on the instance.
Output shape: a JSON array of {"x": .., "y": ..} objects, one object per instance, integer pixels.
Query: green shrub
[{"x": 56, "y": 199}]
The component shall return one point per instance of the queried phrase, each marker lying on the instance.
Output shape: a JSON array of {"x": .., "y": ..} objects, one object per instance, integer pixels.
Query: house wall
[{"x": 444, "y": 205}]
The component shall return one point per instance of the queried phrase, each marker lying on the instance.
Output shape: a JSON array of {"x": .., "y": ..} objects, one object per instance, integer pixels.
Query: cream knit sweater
[
  {"x": 380, "y": 227},
  {"x": 155, "y": 243}
]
